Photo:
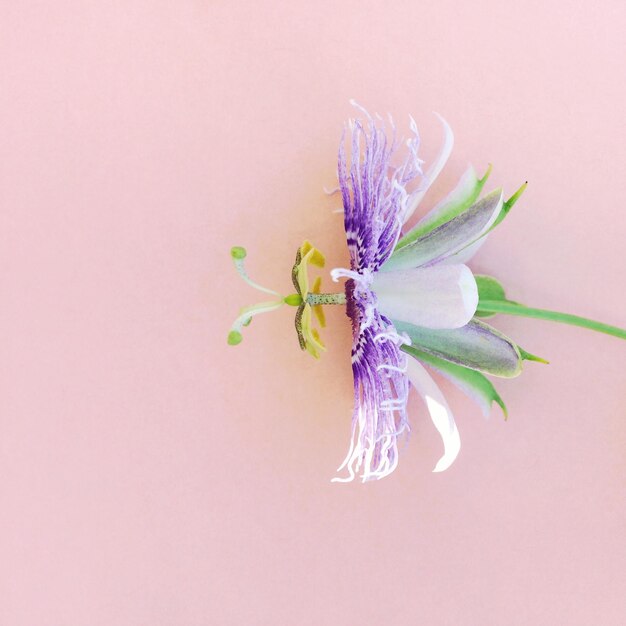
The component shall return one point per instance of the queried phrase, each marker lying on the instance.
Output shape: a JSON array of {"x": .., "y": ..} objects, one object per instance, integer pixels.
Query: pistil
[{"x": 315, "y": 299}]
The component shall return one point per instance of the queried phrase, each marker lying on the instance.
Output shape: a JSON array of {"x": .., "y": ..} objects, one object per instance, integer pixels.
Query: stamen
[
  {"x": 238, "y": 255},
  {"x": 234, "y": 336}
]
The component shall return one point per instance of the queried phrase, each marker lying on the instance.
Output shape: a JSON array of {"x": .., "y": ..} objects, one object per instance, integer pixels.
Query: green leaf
[
  {"x": 513, "y": 308},
  {"x": 488, "y": 289},
  {"x": 477, "y": 386},
  {"x": 458, "y": 200},
  {"x": 476, "y": 345}
]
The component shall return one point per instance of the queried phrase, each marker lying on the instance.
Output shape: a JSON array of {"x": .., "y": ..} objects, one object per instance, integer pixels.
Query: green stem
[{"x": 512, "y": 308}]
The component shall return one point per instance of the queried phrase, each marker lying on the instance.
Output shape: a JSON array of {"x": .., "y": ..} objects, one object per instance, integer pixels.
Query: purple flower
[
  {"x": 410, "y": 297},
  {"x": 436, "y": 291}
]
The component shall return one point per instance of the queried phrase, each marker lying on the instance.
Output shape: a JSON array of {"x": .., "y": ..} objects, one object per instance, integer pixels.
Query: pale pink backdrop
[{"x": 149, "y": 473}]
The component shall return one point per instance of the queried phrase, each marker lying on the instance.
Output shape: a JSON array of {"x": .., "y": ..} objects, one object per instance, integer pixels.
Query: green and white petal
[
  {"x": 450, "y": 237},
  {"x": 475, "y": 345},
  {"x": 458, "y": 200},
  {"x": 443, "y": 296},
  {"x": 439, "y": 411}
]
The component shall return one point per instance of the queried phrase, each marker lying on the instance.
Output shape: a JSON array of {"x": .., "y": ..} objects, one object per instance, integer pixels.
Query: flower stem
[
  {"x": 326, "y": 298},
  {"x": 512, "y": 308}
]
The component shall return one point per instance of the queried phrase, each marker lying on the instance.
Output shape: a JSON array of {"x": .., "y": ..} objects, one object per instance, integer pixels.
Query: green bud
[
  {"x": 238, "y": 253},
  {"x": 234, "y": 338}
]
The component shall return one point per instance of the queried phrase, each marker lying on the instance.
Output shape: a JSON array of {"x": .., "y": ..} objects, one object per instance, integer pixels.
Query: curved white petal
[
  {"x": 439, "y": 411},
  {"x": 442, "y": 296},
  {"x": 448, "y": 208},
  {"x": 434, "y": 170}
]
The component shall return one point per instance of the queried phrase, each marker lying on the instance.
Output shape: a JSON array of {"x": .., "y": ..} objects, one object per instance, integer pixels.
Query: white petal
[
  {"x": 439, "y": 411},
  {"x": 442, "y": 296},
  {"x": 434, "y": 170}
]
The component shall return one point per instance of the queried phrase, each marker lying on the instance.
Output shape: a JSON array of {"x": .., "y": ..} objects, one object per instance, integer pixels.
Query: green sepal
[
  {"x": 476, "y": 346},
  {"x": 527, "y": 356},
  {"x": 471, "y": 382}
]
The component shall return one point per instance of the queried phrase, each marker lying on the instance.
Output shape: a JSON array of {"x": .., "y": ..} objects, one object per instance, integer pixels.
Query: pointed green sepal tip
[
  {"x": 500, "y": 402},
  {"x": 527, "y": 356},
  {"x": 234, "y": 338},
  {"x": 483, "y": 180},
  {"x": 515, "y": 197},
  {"x": 238, "y": 253},
  {"x": 294, "y": 299},
  {"x": 507, "y": 205}
]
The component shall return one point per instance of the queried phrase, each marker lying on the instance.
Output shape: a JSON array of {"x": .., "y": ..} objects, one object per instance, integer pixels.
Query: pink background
[{"x": 150, "y": 474}]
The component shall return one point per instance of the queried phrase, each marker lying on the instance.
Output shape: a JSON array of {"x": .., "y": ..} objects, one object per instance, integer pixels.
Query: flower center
[{"x": 309, "y": 300}]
